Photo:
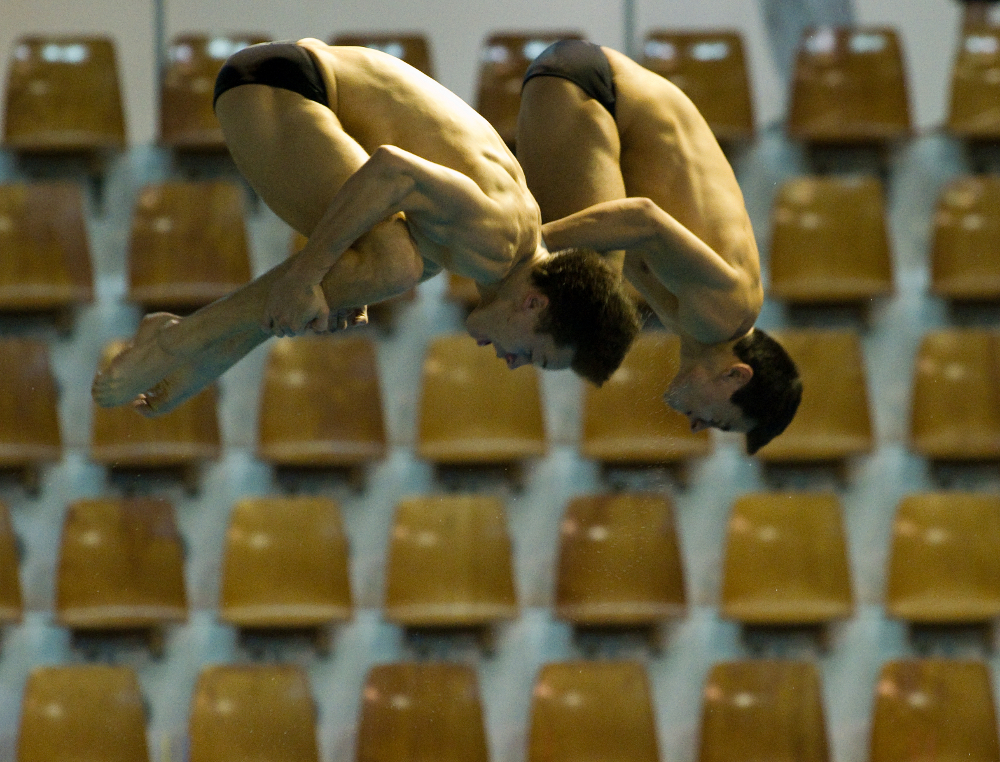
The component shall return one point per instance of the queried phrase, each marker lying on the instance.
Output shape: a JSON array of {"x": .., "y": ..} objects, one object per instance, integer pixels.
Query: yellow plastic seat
[
  {"x": 786, "y": 561},
  {"x": 11, "y": 604},
  {"x": 43, "y": 236},
  {"x": 973, "y": 110},
  {"x": 955, "y": 413},
  {"x": 188, "y": 245},
  {"x": 462, "y": 291},
  {"x": 943, "y": 566},
  {"x": 763, "y": 709},
  {"x": 29, "y": 417},
  {"x": 710, "y": 67},
  {"x": 63, "y": 96},
  {"x": 121, "y": 566},
  {"x": 181, "y": 439},
  {"x": 627, "y": 423},
  {"x": 849, "y": 87},
  {"x": 833, "y": 422},
  {"x": 187, "y": 120},
  {"x": 449, "y": 563},
  {"x": 83, "y": 713},
  {"x": 592, "y": 710},
  {"x": 412, "y": 48},
  {"x": 412, "y": 711},
  {"x": 829, "y": 242},
  {"x": 619, "y": 561},
  {"x": 474, "y": 411},
  {"x": 503, "y": 59},
  {"x": 285, "y": 564},
  {"x": 965, "y": 265},
  {"x": 936, "y": 709},
  {"x": 320, "y": 403},
  {"x": 253, "y": 712}
]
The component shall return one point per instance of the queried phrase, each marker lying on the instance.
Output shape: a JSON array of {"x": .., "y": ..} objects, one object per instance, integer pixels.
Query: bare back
[{"x": 380, "y": 100}]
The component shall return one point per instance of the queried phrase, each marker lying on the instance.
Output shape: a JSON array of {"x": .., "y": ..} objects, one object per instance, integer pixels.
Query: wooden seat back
[
  {"x": 285, "y": 564},
  {"x": 474, "y": 410},
  {"x": 619, "y": 561},
  {"x": 975, "y": 87},
  {"x": 710, "y": 67},
  {"x": 43, "y": 235},
  {"x": 187, "y": 119},
  {"x": 627, "y": 422},
  {"x": 92, "y": 713},
  {"x": 188, "y": 245},
  {"x": 763, "y": 709},
  {"x": 413, "y": 711},
  {"x": 955, "y": 408},
  {"x": 786, "y": 561},
  {"x": 320, "y": 403},
  {"x": 413, "y": 48},
  {"x": 253, "y": 712},
  {"x": 829, "y": 241},
  {"x": 849, "y": 86},
  {"x": 943, "y": 566},
  {"x": 965, "y": 264},
  {"x": 833, "y": 421},
  {"x": 29, "y": 416},
  {"x": 121, "y": 565},
  {"x": 449, "y": 563},
  {"x": 63, "y": 95},
  {"x": 592, "y": 710},
  {"x": 11, "y": 604},
  {"x": 503, "y": 59},
  {"x": 934, "y": 709}
]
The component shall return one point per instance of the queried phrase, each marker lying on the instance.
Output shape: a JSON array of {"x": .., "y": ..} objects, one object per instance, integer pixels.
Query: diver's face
[{"x": 705, "y": 401}]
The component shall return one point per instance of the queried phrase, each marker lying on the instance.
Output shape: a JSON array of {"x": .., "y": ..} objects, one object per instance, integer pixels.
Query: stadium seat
[
  {"x": 786, "y": 561},
  {"x": 421, "y": 711},
  {"x": 320, "y": 404},
  {"x": 619, "y": 562},
  {"x": 973, "y": 113},
  {"x": 955, "y": 412},
  {"x": 833, "y": 422},
  {"x": 462, "y": 291},
  {"x": 63, "y": 96},
  {"x": 253, "y": 712},
  {"x": 11, "y": 605},
  {"x": 504, "y": 58},
  {"x": 934, "y": 709},
  {"x": 449, "y": 564},
  {"x": 473, "y": 410},
  {"x": 592, "y": 710},
  {"x": 849, "y": 87},
  {"x": 413, "y": 48},
  {"x": 121, "y": 567},
  {"x": 285, "y": 565},
  {"x": 829, "y": 242},
  {"x": 188, "y": 245},
  {"x": 187, "y": 119},
  {"x": 626, "y": 422},
  {"x": 965, "y": 248},
  {"x": 710, "y": 67},
  {"x": 182, "y": 439},
  {"x": 29, "y": 417},
  {"x": 943, "y": 566},
  {"x": 43, "y": 235},
  {"x": 763, "y": 709},
  {"x": 88, "y": 713}
]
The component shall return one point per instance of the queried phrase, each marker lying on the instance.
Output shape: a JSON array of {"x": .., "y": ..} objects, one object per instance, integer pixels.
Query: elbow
[{"x": 647, "y": 218}]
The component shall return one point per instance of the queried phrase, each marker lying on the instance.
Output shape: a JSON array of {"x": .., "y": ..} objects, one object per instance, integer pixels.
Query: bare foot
[{"x": 142, "y": 364}]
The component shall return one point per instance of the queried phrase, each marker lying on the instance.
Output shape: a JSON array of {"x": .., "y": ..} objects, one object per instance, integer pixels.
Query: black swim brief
[
  {"x": 278, "y": 64},
  {"x": 582, "y": 63}
]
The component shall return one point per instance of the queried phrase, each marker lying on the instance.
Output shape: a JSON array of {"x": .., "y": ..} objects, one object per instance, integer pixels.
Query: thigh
[
  {"x": 569, "y": 148},
  {"x": 293, "y": 151}
]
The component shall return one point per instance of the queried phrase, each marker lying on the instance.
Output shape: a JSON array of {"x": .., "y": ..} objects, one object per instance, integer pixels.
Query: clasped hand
[{"x": 293, "y": 309}]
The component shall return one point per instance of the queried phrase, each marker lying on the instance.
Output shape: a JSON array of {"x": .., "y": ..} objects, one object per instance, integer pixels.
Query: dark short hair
[
  {"x": 771, "y": 397},
  {"x": 589, "y": 310}
]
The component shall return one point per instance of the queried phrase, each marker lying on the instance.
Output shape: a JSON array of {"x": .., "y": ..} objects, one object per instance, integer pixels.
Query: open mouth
[{"x": 483, "y": 342}]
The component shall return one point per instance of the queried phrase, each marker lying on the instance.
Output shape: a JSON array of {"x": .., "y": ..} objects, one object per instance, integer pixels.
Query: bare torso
[
  {"x": 669, "y": 155},
  {"x": 382, "y": 101}
]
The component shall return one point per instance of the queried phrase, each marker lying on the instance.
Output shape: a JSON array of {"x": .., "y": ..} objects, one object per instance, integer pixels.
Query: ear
[
  {"x": 535, "y": 301},
  {"x": 738, "y": 375}
]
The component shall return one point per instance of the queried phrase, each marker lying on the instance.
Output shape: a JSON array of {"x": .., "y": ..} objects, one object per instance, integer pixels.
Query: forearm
[{"x": 613, "y": 225}]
